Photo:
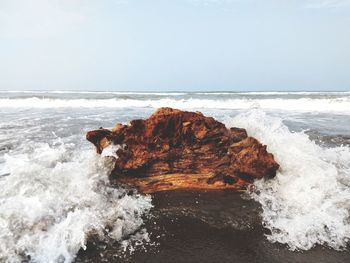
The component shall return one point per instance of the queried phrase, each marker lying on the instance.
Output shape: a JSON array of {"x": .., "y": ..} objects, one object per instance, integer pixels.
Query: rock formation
[{"x": 175, "y": 149}]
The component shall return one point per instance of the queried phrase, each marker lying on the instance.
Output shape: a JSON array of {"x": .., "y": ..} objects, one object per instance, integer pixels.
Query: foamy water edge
[
  {"x": 308, "y": 203},
  {"x": 55, "y": 198}
]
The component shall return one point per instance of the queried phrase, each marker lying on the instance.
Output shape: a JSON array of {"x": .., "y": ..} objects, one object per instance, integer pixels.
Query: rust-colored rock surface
[{"x": 175, "y": 149}]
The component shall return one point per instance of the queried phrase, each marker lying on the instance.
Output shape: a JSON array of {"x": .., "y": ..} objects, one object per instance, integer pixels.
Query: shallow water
[{"x": 56, "y": 198}]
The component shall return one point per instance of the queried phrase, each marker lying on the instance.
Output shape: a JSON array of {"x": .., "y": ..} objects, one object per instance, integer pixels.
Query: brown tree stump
[{"x": 175, "y": 149}]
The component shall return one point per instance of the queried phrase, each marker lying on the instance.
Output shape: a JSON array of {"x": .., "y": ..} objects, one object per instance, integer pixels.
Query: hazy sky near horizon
[{"x": 175, "y": 45}]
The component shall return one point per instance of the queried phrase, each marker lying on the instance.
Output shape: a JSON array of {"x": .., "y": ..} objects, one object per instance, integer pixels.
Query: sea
[{"x": 56, "y": 203}]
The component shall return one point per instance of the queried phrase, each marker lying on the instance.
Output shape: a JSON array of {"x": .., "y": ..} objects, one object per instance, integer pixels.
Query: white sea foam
[
  {"x": 277, "y": 93},
  {"x": 308, "y": 202},
  {"x": 111, "y": 150},
  {"x": 55, "y": 198},
  {"x": 176, "y": 93},
  {"x": 341, "y": 105},
  {"x": 93, "y": 92}
]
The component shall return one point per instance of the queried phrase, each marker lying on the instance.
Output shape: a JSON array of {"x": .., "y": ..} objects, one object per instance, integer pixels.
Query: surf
[
  {"x": 308, "y": 202},
  {"x": 56, "y": 194},
  {"x": 56, "y": 197},
  {"x": 332, "y": 105}
]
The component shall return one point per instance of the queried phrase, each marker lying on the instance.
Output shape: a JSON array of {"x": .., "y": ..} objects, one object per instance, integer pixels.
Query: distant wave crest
[{"x": 341, "y": 104}]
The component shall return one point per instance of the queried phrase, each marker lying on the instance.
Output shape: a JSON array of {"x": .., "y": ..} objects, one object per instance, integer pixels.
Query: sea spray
[
  {"x": 308, "y": 202},
  {"x": 55, "y": 197}
]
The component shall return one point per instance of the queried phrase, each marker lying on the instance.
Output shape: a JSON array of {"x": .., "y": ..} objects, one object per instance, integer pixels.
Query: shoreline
[{"x": 207, "y": 226}]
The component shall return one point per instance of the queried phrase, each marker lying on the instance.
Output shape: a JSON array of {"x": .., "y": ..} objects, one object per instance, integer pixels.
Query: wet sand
[{"x": 211, "y": 226}]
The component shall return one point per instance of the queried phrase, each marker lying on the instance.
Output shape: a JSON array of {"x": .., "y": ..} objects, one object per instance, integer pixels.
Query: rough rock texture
[{"x": 175, "y": 149}]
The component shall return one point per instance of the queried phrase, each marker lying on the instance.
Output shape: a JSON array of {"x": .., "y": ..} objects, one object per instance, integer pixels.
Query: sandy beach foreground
[{"x": 211, "y": 226}]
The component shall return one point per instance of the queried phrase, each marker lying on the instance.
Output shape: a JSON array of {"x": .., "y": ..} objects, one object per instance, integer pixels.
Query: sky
[{"x": 175, "y": 45}]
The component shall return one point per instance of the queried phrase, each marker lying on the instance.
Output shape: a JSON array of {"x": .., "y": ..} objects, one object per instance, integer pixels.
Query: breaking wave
[
  {"x": 341, "y": 104},
  {"x": 54, "y": 197},
  {"x": 308, "y": 202}
]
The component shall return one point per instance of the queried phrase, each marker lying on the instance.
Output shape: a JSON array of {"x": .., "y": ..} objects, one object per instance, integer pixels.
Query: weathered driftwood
[{"x": 175, "y": 149}]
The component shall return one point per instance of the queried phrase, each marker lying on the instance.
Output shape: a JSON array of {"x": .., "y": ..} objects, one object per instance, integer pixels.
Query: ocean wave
[
  {"x": 180, "y": 93},
  {"x": 277, "y": 93},
  {"x": 341, "y": 105},
  {"x": 94, "y": 92},
  {"x": 55, "y": 197},
  {"x": 308, "y": 202}
]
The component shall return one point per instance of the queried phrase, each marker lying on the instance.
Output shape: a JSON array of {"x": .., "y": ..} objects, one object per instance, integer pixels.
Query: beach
[
  {"x": 214, "y": 226},
  {"x": 57, "y": 204}
]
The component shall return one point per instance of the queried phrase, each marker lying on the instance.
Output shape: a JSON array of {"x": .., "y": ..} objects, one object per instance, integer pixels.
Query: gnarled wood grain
[{"x": 175, "y": 149}]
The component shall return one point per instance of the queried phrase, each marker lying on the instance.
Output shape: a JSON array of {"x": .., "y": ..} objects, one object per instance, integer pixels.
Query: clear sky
[{"x": 175, "y": 45}]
